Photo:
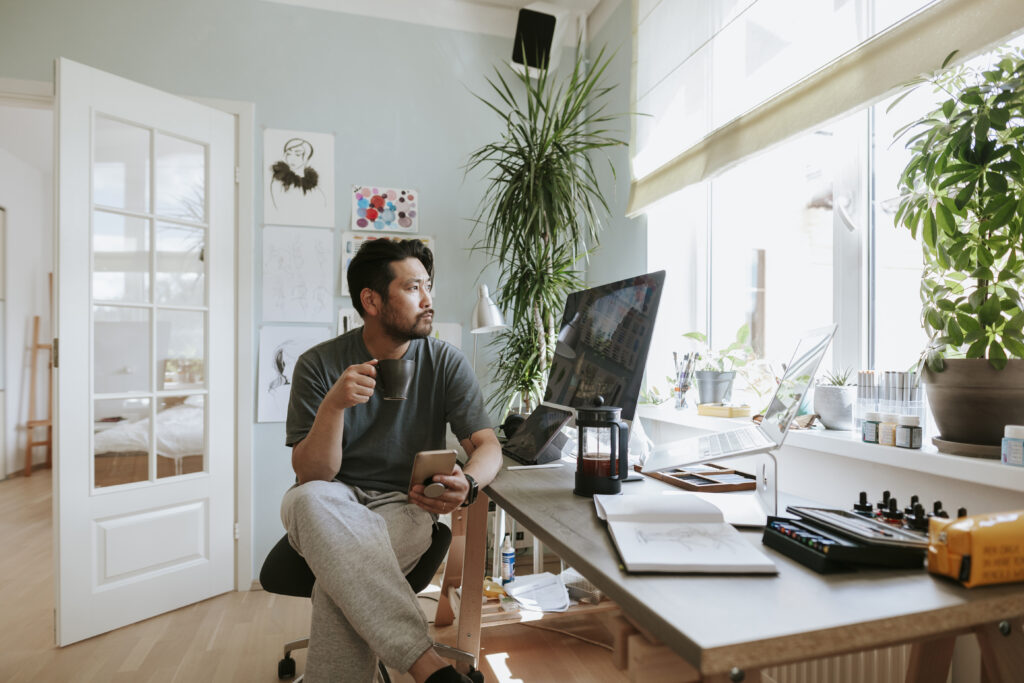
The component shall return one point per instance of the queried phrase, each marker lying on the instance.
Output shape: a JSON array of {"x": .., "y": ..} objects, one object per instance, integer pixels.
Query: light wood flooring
[{"x": 233, "y": 637}]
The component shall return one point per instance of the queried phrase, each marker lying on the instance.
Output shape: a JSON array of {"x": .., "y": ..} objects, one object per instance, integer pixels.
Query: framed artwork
[
  {"x": 385, "y": 209},
  {"x": 298, "y": 186},
  {"x": 351, "y": 241},
  {"x": 298, "y": 274},
  {"x": 280, "y": 347}
]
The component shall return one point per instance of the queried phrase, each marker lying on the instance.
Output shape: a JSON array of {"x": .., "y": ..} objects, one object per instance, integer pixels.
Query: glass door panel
[
  {"x": 180, "y": 265},
  {"x": 120, "y": 166},
  {"x": 180, "y": 179},
  {"x": 180, "y": 435},
  {"x": 121, "y": 441},
  {"x": 120, "y": 258},
  {"x": 121, "y": 350},
  {"x": 182, "y": 349}
]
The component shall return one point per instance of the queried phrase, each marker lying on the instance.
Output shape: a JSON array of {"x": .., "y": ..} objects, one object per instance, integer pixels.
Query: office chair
[{"x": 285, "y": 572}]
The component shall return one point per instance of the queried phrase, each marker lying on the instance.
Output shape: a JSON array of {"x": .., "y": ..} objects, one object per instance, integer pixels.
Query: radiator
[{"x": 886, "y": 665}]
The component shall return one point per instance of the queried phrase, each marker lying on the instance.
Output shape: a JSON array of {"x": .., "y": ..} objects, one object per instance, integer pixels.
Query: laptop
[{"x": 760, "y": 438}]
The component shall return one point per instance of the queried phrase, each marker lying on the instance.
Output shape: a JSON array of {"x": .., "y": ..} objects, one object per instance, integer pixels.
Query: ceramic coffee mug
[{"x": 394, "y": 376}]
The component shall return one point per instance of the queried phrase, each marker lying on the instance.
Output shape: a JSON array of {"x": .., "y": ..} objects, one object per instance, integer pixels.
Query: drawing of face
[{"x": 297, "y": 153}]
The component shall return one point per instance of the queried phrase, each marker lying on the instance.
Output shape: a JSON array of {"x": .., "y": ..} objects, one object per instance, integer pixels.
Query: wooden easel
[{"x": 33, "y": 423}]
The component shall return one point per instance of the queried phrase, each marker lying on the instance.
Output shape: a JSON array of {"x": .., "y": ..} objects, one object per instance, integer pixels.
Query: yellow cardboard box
[{"x": 978, "y": 550}]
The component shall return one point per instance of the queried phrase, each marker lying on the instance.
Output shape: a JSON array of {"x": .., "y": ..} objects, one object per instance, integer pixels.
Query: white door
[{"x": 144, "y": 452}]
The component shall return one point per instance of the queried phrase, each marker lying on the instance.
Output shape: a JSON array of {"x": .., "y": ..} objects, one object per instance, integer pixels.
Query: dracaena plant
[
  {"x": 541, "y": 210},
  {"x": 962, "y": 193}
]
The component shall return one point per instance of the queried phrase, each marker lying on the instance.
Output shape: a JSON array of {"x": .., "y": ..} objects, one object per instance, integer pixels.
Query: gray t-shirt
[{"x": 381, "y": 437}]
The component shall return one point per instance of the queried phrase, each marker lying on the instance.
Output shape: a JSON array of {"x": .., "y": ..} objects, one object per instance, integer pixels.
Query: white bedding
[{"x": 179, "y": 432}]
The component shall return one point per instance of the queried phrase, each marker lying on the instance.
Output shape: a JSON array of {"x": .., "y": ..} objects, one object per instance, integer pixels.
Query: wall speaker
[{"x": 540, "y": 32}]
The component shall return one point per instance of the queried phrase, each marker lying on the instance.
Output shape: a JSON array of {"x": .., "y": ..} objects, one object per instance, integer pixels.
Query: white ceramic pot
[{"x": 834, "y": 405}]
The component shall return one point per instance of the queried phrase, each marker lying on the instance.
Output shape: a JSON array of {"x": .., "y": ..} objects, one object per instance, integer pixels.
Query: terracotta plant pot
[{"x": 972, "y": 402}]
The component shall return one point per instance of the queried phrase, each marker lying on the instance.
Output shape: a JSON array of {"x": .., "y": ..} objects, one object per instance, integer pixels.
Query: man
[{"x": 349, "y": 515}]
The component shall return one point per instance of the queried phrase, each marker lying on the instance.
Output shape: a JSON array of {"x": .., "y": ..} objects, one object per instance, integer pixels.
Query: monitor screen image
[{"x": 602, "y": 345}]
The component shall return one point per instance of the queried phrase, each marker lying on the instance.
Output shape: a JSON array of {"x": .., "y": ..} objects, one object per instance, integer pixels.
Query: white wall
[{"x": 26, "y": 192}]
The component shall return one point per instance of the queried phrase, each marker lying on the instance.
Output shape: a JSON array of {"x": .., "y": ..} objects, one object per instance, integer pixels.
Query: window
[{"x": 798, "y": 236}]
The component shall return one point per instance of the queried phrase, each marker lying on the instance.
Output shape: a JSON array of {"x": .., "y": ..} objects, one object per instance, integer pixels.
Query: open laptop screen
[{"x": 795, "y": 382}]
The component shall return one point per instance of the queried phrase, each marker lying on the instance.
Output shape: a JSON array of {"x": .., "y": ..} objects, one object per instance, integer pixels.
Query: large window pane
[
  {"x": 121, "y": 165},
  {"x": 120, "y": 256},
  {"x": 771, "y": 245},
  {"x": 121, "y": 435}
]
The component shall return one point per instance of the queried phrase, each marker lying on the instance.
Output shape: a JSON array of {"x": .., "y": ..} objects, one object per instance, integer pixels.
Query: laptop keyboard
[{"x": 732, "y": 442}]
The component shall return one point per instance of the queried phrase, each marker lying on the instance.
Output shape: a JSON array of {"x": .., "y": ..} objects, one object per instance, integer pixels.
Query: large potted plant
[
  {"x": 962, "y": 193},
  {"x": 541, "y": 211}
]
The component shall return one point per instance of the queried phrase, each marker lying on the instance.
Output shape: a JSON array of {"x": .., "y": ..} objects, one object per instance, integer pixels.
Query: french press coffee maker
[{"x": 602, "y": 459}]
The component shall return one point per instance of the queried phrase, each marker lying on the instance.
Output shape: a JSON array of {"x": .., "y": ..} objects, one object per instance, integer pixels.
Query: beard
[{"x": 404, "y": 331}]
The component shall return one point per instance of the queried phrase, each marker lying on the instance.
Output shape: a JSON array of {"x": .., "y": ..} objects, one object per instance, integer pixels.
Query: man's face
[{"x": 408, "y": 313}]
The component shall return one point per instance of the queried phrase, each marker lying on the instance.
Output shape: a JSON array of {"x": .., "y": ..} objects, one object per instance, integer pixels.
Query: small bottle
[
  {"x": 908, "y": 431},
  {"x": 508, "y": 560},
  {"x": 869, "y": 429},
  {"x": 1013, "y": 445},
  {"x": 887, "y": 430}
]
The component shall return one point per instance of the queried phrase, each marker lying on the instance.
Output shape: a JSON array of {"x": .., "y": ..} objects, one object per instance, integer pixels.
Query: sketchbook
[{"x": 678, "y": 533}]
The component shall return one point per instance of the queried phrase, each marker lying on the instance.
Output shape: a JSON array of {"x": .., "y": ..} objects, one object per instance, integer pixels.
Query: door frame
[{"x": 40, "y": 95}]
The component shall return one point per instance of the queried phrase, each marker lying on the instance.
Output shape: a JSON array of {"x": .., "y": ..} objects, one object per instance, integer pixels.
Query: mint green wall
[
  {"x": 623, "y": 244},
  {"x": 397, "y": 96}
]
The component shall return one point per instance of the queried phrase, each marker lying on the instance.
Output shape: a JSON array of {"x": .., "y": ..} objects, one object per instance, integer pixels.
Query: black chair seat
[{"x": 285, "y": 572}]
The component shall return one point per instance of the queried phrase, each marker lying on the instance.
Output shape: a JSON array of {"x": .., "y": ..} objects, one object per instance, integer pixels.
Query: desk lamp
[{"x": 486, "y": 318}]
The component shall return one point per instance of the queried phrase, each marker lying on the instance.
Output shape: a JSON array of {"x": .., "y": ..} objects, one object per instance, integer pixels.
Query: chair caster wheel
[
  {"x": 475, "y": 675},
  {"x": 286, "y": 668}
]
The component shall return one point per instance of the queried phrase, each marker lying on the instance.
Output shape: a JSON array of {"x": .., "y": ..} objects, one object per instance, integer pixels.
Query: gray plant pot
[
  {"x": 714, "y": 386},
  {"x": 834, "y": 406},
  {"x": 972, "y": 402}
]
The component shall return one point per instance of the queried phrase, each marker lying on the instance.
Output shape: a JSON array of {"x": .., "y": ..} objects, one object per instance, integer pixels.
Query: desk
[{"x": 720, "y": 624}]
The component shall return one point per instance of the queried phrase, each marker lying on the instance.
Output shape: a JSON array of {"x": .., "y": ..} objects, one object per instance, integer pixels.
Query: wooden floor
[{"x": 234, "y": 637}]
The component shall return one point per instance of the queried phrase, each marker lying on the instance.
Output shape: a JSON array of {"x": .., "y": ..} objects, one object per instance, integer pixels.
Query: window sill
[{"x": 848, "y": 445}]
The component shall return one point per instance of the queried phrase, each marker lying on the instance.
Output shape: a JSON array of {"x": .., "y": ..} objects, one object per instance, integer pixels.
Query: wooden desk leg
[
  {"x": 445, "y": 616},
  {"x": 470, "y": 606},
  {"x": 930, "y": 660},
  {"x": 1002, "y": 651}
]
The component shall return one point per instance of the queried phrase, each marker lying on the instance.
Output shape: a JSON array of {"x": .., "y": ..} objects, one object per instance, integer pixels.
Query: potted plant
[
  {"x": 541, "y": 209},
  {"x": 716, "y": 370},
  {"x": 962, "y": 193},
  {"x": 833, "y": 400}
]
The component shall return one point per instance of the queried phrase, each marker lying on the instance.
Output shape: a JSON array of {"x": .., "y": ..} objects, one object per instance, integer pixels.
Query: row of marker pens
[{"x": 888, "y": 391}]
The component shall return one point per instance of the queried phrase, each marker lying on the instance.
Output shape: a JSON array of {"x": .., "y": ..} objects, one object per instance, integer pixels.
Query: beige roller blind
[{"x": 862, "y": 75}]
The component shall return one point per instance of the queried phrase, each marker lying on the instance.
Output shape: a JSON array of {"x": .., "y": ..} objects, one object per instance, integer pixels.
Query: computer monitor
[{"x": 602, "y": 345}]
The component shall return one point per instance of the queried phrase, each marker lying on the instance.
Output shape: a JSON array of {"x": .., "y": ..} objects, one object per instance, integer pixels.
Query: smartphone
[{"x": 426, "y": 465}]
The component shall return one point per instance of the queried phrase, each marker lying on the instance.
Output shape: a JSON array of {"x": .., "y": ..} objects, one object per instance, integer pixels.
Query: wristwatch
[{"x": 474, "y": 489}]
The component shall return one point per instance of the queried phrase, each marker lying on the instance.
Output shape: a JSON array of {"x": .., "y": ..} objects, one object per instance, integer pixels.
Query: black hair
[{"x": 371, "y": 266}]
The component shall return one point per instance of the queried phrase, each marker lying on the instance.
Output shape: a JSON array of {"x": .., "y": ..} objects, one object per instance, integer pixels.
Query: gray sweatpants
[{"x": 359, "y": 545}]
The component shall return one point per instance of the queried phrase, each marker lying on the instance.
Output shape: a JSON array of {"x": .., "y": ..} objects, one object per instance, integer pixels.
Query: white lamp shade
[{"x": 486, "y": 316}]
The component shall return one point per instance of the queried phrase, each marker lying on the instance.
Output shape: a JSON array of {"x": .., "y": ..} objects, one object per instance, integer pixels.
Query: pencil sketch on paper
[
  {"x": 300, "y": 178},
  {"x": 298, "y": 274},
  {"x": 280, "y": 347},
  {"x": 690, "y": 537}
]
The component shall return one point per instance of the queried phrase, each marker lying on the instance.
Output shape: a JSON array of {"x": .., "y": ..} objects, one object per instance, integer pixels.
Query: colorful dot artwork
[{"x": 384, "y": 209}]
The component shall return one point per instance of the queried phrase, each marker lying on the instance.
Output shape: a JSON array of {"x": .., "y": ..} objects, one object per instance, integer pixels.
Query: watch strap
[{"x": 474, "y": 489}]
